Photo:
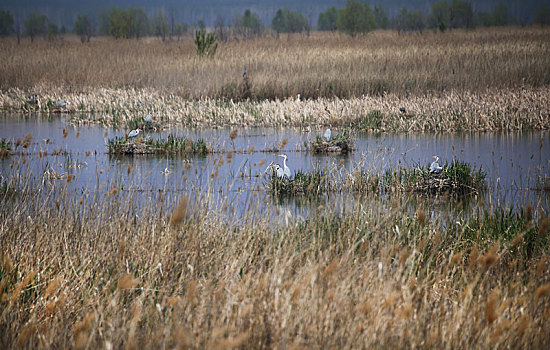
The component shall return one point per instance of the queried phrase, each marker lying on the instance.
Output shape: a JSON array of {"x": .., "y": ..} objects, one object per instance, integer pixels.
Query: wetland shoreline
[{"x": 508, "y": 109}]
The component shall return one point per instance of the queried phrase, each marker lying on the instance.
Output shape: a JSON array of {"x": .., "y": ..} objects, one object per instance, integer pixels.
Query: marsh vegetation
[
  {"x": 502, "y": 85},
  {"x": 148, "y": 145},
  {"x": 380, "y": 274},
  {"x": 108, "y": 251}
]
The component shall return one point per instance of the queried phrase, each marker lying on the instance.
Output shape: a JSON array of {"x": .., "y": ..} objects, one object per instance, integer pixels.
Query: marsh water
[{"x": 514, "y": 162}]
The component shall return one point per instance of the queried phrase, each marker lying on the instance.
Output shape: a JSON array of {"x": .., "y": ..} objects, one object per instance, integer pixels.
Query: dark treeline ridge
[{"x": 354, "y": 18}]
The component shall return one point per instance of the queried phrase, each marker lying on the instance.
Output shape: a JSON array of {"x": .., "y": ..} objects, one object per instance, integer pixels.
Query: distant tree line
[{"x": 356, "y": 17}]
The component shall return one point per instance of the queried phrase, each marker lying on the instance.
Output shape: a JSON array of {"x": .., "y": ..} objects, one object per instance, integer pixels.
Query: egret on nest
[
  {"x": 134, "y": 133},
  {"x": 286, "y": 169},
  {"x": 435, "y": 168},
  {"x": 328, "y": 135}
]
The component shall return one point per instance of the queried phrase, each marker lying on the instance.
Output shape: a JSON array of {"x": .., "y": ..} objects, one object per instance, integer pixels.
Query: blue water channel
[{"x": 515, "y": 162}]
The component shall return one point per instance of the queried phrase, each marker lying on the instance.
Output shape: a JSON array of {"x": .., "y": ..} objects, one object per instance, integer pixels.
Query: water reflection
[{"x": 513, "y": 162}]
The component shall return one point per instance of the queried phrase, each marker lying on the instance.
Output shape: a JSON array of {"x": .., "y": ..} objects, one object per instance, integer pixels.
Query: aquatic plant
[
  {"x": 5, "y": 148},
  {"x": 302, "y": 183},
  {"x": 339, "y": 143},
  {"x": 171, "y": 145},
  {"x": 158, "y": 273},
  {"x": 456, "y": 178}
]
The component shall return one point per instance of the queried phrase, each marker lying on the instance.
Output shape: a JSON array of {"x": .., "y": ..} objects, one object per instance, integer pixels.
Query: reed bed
[
  {"x": 488, "y": 79},
  {"x": 102, "y": 272},
  {"x": 319, "y": 65},
  {"x": 490, "y": 110},
  {"x": 171, "y": 145},
  {"x": 457, "y": 178},
  {"x": 341, "y": 143},
  {"x": 301, "y": 183}
]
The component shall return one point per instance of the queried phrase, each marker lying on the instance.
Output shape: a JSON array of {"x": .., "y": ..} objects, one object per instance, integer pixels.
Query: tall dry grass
[
  {"x": 487, "y": 110},
  {"x": 321, "y": 65},
  {"x": 106, "y": 272}
]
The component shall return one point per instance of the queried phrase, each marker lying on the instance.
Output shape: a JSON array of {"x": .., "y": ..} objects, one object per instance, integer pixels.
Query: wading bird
[
  {"x": 286, "y": 169},
  {"x": 148, "y": 118},
  {"x": 61, "y": 104},
  {"x": 328, "y": 134},
  {"x": 276, "y": 169},
  {"x": 435, "y": 168},
  {"x": 279, "y": 171},
  {"x": 134, "y": 133}
]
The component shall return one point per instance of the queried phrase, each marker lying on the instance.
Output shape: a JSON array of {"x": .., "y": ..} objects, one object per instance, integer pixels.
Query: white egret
[
  {"x": 328, "y": 134},
  {"x": 61, "y": 104},
  {"x": 435, "y": 168},
  {"x": 148, "y": 118},
  {"x": 279, "y": 171},
  {"x": 134, "y": 133},
  {"x": 286, "y": 169}
]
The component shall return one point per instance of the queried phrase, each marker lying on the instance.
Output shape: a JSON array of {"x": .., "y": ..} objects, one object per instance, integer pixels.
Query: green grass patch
[
  {"x": 525, "y": 236},
  {"x": 340, "y": 143},
  {"x": 371, "y": 121},
  {"x": 458, "y": 178},
  {"x": 170, "y": 145},
  {"x": 302, "y": 183}
]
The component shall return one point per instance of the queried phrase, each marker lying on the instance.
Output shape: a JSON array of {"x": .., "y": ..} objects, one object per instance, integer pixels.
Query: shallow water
[{"x": 513, "y": 161}]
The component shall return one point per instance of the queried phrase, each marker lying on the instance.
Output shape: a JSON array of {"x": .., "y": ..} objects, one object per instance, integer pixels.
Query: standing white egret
[
  {"x": 134, "y": 133},
  {"x": 435, "y": 168},
  {"x": 148, "y": 118},
  {"x": 279, "y": 171},
  {"x": 286, "y": 169},
  {"x": 275, "y": 169},
  {"x": 328, "y": 135}
]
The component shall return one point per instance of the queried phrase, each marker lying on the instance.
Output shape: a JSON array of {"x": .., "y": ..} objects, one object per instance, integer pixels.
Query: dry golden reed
[
  {"x": 53, "y": 287},
  {"x": 490, "y": 258},
  {"x": 25, "y": 335},
  {"x": 542, "y": 291},
  {"x": 543, "y": 227},
  {"x": 523, "y": 324},
  {"x": 491, "y": 311},
  {"x": 456, "y": 259},
  {"x": 20, "y": 286},
  {"x": 81, "y": 330},
  {"x": 421, "y": 216},
  {"x": 541, "y": 266},
  {"x": 127, "y": 281}
]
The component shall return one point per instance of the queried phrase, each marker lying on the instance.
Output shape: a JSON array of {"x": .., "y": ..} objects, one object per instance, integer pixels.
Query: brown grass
[
  {"x": 105, "y": 277},
  {"x": 321, "y": 65},
  {"x": 488, "y": 79}
]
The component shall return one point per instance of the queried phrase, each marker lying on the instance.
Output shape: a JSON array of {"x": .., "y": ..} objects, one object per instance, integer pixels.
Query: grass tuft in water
[
  {"x": 170, "y": 145},
  {"x": 303, "y": 183},
  {"x": 340, "y": 143},
  {"x": 458, "y": 178}
]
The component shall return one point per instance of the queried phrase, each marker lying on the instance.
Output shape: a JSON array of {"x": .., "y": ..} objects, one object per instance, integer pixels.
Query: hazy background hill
[{"x": 64, "y": 12}]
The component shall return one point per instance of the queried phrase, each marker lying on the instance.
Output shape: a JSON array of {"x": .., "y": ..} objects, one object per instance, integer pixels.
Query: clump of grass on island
[
  {"x": 302, "y": 183},
  {"x": 171, "y": 145},
  {"x": 457, "y": 178},
  {"x": 339, "y": 143}
]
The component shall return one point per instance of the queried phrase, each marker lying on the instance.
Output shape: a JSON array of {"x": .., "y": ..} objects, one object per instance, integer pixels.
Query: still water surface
[{"x": 514, "y": 162}]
